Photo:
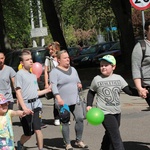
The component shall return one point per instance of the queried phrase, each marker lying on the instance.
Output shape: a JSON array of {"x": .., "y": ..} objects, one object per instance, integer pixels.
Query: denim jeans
[
  {"x": 77, "y": 112},
  {"x": 112, "y": 136}
]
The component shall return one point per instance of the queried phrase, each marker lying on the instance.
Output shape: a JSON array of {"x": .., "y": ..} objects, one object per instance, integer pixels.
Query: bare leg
[
  {"x": 24, "y": 138},
  {"x": 39, "y": 138}
]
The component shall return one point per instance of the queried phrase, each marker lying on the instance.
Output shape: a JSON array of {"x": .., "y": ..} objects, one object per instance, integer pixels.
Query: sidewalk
[{"x": 134, "y": 125}]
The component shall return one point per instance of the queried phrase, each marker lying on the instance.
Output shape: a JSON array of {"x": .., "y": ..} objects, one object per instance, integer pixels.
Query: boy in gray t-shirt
[
  {"x": 108, "y": 87},
  {"x": 27, "y": 93}
]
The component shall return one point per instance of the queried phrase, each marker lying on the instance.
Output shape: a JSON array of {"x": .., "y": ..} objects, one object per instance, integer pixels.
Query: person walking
[
  {"x": 108, "y": 86},
  {"x": 50, "y": 63},
  {"x": 7, "y": 75},
  {"x": 27, "y": 92},
  {"x": 141, "y": 66},
  {"x": 65, "y": 84}
]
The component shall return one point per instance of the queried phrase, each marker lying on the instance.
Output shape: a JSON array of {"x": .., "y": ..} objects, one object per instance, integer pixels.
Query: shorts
[{"x": 30, "y": 123}]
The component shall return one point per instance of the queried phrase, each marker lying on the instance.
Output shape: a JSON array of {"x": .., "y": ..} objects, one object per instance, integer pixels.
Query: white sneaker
[{"x": 56, "y": 122}]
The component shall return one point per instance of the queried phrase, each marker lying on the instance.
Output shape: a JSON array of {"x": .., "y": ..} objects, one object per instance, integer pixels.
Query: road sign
[
  {"x": 140, "y": 4},
  {"x": 39, "y": 32}
]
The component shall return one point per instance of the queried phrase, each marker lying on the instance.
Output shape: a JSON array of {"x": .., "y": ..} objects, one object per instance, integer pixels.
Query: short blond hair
[{"x": 60, "y": 52}]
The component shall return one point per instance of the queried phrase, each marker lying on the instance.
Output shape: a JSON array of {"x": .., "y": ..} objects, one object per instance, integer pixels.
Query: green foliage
[
  {"x": 85, "y": 15},
  {"x": 16, "y": 17},
  {"x": 137, "y": 21},
  {"x": 74, "y": 16}
]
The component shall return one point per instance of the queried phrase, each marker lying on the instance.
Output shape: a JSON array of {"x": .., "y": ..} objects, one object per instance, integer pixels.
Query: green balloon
[{"x": 95, "y": 116}]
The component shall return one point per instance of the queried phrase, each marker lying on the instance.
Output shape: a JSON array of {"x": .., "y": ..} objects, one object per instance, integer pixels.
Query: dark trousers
[
  {"x": 55, "y": 112},
  {"x": 148, "y": 95},
  {"x": 148, "y": 100},
  {"x": 112, "y": 136}
]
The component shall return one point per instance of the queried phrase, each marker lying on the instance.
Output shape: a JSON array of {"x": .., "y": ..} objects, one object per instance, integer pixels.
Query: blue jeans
[{"x": 112, "y": 136}]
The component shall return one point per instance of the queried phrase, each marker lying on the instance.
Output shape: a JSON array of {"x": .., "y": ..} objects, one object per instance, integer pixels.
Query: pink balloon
[{"x": 37, "y": 69}]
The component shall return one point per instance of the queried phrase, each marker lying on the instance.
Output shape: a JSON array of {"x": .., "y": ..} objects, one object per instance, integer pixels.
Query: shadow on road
[
  {"x": 54, "y": 142},
  {"x": 132, "y": 145}
]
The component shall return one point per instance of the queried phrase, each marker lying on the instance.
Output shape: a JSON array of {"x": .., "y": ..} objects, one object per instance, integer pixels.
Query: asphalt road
[{"x": 134, "y": 128}]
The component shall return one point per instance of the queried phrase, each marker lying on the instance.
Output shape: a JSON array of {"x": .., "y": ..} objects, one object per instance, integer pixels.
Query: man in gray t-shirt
[{"x": 7, "y": 75}]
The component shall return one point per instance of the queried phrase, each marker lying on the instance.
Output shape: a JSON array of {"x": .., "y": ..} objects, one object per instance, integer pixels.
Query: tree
[
  {"x": 122, "y": 11},
  {"x": 137, "y": 21},
  {"x": 2, "y": 30},
  {"x": 53, "y": 22},
  {"x": 17, "y": 22}
]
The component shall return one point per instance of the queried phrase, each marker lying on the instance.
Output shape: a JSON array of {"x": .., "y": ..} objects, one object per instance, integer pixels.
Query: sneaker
[
  {"x": 69, "y": 147},
  {"x": 69, "y": 123},
  {"x": 56, "y": 122},
  {"x": 43, "y": 125},
  {"x": 19, "y": 146},
  {"x": 81, "y": 144}
]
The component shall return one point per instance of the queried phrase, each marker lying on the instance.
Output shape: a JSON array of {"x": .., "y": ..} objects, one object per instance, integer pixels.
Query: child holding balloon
[{"x": 108, "y": 87}]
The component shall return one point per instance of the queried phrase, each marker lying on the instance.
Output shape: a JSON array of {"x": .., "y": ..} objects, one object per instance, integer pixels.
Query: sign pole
[{"x": 143, "y": 22}]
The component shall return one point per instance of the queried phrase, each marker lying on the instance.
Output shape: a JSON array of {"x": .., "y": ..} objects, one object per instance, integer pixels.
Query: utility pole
[{"x": 32, "y": 24}]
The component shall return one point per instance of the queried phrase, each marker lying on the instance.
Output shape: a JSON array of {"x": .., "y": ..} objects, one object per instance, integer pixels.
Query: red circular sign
[{"x": 140, "y": 4}]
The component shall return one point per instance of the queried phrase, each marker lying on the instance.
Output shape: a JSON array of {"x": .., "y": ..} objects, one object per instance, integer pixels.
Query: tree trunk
[
  {"x": 122, "y": 11},
  {"x": 2, "y": 30},
  {"x": 53, "y": 22}
]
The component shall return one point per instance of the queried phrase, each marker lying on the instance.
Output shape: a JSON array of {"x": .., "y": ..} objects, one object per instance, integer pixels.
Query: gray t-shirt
[
  {"x": 141, "y": 69},
  {"x": 28, "y": 83},
  {"x": 5, "y": 82},
  {"x": 65, "y": 83},
  {"x": 108, "y": 92}
]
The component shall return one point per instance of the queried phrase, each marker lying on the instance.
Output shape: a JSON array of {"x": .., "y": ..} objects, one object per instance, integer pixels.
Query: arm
[
  {"x": 21, "y": 102},
  {"x": 13, "y": 82},
  {"x": 59, "y": 100},
  {"x": 130, "y": 91},
  {"x": 90, "y": 99},
  {"x": 42, "y": 92},
  {"x": 46, "y": 75},
  {"x": 19, "y": 113}
]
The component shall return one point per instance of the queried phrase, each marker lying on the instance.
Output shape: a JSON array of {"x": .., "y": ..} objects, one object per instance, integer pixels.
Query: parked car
[
  {"x": 115, "y": 50},
  {"x": 73, "y": 52},
  {"x": 87, "y": 56},
  {"x": 38, "y": 54}
]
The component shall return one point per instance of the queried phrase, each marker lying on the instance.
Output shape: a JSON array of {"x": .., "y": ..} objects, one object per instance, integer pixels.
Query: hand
[
  {"x": 79, "y": 85},
  {"x": 88, "y": 108},
  {"x": 23, "y": 114},
  {"x": 60, "y": 102},
  {"x": 28, "y": 111},
  {"x": 49, "y": 89},
  {"x": 46, "y": 86},
  {"x": 143, "y": 93}
]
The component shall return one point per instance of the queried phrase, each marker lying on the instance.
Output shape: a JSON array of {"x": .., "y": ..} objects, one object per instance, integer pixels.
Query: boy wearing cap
[
  {"x": 108, "y": 87},
  {"x": 6, "y": 131}
]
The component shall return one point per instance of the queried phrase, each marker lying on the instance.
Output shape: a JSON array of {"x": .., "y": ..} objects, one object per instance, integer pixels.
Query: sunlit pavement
[{"x": 134, "y": 127}]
